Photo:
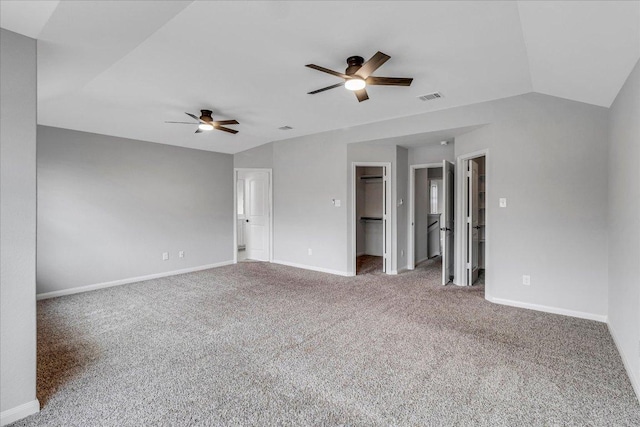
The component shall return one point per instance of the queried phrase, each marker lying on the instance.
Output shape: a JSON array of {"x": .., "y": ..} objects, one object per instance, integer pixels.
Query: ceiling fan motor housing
[
  {"x": 206, "y": 115},
  {"x": 354, "y": 63}
]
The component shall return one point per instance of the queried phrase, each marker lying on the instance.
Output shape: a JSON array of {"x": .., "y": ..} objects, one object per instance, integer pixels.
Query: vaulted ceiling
[{"x": 122, "y": 68}]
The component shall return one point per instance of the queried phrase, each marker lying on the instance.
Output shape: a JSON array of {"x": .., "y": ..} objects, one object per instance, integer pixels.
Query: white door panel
[
  {"x": 472, "y": 222},
  {"x": 258, "y": 223},
  {"x": 448, "y": 219}
]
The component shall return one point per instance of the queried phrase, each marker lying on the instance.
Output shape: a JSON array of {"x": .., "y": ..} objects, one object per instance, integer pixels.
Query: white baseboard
[
  {"x": 396, "y": 272},
  {"x": 19, "y": 412},
  {"x": 87, "y": 288},
  {"x": 633, "y": 376},
  {"x": 313, "y": 268},
  {"x": 548, "y": 309}
]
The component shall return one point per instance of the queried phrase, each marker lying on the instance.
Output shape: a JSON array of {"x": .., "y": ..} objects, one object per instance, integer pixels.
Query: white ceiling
[{"x": 124, "y": 67}]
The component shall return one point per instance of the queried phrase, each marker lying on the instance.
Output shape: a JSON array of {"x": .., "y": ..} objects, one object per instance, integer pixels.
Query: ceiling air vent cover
[{"x": 430, "y": 96}]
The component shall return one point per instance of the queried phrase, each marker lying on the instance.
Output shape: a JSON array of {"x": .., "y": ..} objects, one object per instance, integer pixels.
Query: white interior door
[
  {"x": 257, "y": 215},
  {"x": 447, "y": 226},
  {"x": 384, "y": 219},
  {"x": 472, "y": 223}
]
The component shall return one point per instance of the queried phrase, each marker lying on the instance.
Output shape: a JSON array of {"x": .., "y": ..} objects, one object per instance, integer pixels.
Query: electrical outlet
[
  {"x": 181, "y": 254},
  {"x": 526, "y": 280},
  {"x": 165, "y": 256},
  {"x": 310, "y": 251}
]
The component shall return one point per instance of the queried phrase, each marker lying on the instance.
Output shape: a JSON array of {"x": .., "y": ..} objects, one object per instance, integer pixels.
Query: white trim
[
  {"x": 635, "y": 380},
  {"x": 399, "y": 271},
  {"x": 389, "y": 230},
  {"x": 93, "y": 287},
  {"x": 19, "y": 412},
  {"x": 411, "y": 262},
  {"x": 549, "y": 309},
  {"x": 313, "y": 268},
  {"x": 235, "y": 210}
]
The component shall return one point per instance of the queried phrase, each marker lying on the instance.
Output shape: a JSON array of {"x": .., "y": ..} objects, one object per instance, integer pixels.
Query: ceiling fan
[
  {"x": 358, "y": 75},
  {"x": 205, "y": 122}
]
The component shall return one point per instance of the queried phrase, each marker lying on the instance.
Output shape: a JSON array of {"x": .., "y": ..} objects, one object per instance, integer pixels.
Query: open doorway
[
  {"x": 371, "y": 217},
  {"x": 370, "y": 206},
  {"x": 431, "y": 211},
  {"x": 253, "y": 215},
  {"x": 473, "y": 253}
]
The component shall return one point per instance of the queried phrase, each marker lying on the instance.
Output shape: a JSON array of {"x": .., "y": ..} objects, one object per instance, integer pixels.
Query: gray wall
[
  {"x": 17, "y": 220},
  {"x": 433, "y": 153},
  {"x": 258, "y": 157},
  {"x": 548, "y": 157},
  {"x": 624, "y": 223},
  {"x": 109, "y": 207},
  {"x": 308, "y": 173}
]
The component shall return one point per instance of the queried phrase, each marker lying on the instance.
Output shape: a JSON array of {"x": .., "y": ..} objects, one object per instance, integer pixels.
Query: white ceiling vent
[
  {"x": 285, "y": 128},
  {"x": 430, "y": 96}
]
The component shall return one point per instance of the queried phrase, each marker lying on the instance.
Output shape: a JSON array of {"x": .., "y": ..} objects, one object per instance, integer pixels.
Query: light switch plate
[
  {"x": 503, "y": 202},
  {"x": 337, "y": 203}
]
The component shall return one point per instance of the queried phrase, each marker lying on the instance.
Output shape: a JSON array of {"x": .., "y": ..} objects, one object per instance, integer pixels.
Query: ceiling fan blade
[
  {"x": 225, "y": 129},
  {"x": 184, "y": 123},
  {"x": 226, "y": 122},
  {"x": 373, "y": 64},
  {"x": 198, "y": 131},
  {"x": 361, "y": 95},
  {"x": 389, "y": 81},
  {"x": 193, "y": 116},
  {"x": 197, "y": 118},
  {"x": 326, "y": 70},
  {"x": 326, "y": 88}
]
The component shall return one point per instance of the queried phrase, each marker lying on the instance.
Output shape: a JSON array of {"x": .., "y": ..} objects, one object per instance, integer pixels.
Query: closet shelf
[
  {"x": 370, "y": 179},
  {"x": 371, "y": 219}
]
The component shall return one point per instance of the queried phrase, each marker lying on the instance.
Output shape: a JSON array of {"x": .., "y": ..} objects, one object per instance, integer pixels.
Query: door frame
[
  {"x": 462, "y": 164},
  {"x": 411, "y": 254},
  {"x": 235, "y": 209},
  {"x": 388, "y": 232}
]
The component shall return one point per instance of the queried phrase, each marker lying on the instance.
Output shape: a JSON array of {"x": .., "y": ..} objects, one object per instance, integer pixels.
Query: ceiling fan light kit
[
  {"x": 358, "y": 76},
  {"x": 355, "y": 84}
]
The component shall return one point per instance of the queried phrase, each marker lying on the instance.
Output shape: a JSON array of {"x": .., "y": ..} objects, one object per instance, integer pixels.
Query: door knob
[{"x": 246, "y": 220}]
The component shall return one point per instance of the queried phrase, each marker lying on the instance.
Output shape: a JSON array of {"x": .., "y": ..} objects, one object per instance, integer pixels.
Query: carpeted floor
[{"x": 264, "y": 344}]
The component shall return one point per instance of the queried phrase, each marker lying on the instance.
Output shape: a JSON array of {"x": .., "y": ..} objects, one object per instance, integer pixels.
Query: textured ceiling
[{"x": 124, "y": 67}]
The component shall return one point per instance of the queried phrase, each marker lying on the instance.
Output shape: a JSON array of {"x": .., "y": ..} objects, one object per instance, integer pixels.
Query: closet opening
[
  {"x": 473, "y": 254},
  {"x": 370, "y": 215},
  {"x": 476, "y": 236}
]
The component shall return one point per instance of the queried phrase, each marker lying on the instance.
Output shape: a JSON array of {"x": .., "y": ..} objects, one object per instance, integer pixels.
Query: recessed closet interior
[{"x": 369, "y": 214}]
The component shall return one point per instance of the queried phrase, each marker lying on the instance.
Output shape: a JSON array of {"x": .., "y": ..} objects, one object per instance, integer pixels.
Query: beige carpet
[{"x": 263, "y": 344}]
